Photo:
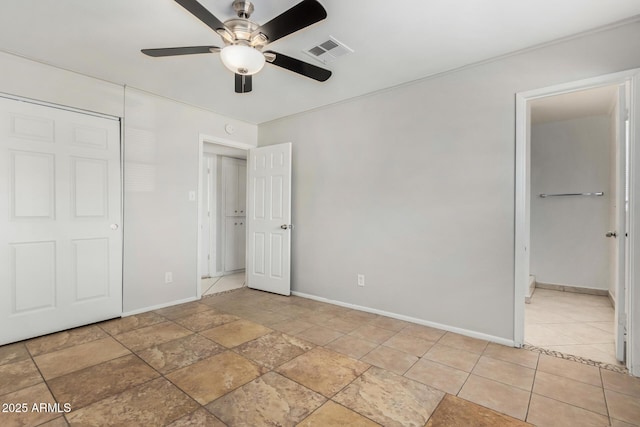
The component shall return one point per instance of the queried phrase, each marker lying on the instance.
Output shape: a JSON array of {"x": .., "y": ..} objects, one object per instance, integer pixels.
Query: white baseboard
[
  {"x": 159, "y": 306},
  {"x": 465, "y": 332}
]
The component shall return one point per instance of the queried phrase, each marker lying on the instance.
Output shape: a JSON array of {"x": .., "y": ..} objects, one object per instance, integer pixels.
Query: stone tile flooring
[
  {"x": 571, "y": 323},
  {"x": 249, "y": 358},
  {"x": 215, "y": 285}
]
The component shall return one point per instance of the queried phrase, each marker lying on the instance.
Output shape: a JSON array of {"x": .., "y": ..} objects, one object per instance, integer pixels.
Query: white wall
[
  {"x": 161, "y": 224},
  {"x": 161, "y": 144},
  {"x": 568, "y": 243},
  {"x": 414, "y": 186}
]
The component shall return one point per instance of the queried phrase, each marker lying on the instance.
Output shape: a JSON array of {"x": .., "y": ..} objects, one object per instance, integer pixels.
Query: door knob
[
  {"x": 611, "y": 234},
  {"x": 286, "y": 227},
  {"x": 114, "y": 226}
]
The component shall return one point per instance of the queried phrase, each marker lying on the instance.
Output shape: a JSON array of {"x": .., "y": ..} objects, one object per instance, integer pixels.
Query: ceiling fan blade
[
  {"x": 174, "y": 51},
  {"x": 200, "y": 12},
  {"x": 243, "y": 83},
  {"x": 300, "y": 67},
  {"x": 298, "y": 17}
]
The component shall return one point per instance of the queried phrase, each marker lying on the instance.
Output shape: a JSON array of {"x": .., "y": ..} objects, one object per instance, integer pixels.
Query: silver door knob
[
  {"x": 114, "y": 226},
  {"x": 611, "y": 234},
  {"x": 286, "y": 227}
]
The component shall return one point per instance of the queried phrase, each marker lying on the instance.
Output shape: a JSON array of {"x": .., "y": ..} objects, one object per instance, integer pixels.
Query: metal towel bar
[{"x": 600, "y": 193}]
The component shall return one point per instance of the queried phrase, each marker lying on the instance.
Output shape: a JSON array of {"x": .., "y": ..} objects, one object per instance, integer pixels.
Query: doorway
[
  {"x": 571, "y": 297},
  {"x": 562, "y": 258},
  {"x": 222, "y": 235}
]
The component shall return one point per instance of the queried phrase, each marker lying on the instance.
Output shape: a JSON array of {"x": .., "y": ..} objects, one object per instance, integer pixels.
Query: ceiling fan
[{"x": 245, "y": 40}]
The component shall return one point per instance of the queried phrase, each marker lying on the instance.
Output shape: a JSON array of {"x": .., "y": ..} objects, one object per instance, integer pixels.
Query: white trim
[
  {"x": 57, "y": 106},
  {"x": 202, "y": 139},
  {"x": 461, "y": 331},
  {"x": 522, "y": 196},
  {"x": 159, "y": 306}
]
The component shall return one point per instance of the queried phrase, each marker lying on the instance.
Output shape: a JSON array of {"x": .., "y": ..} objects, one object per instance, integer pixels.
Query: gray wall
[
  {"x": 568, "y": 243},
  {"x": 414, "y": 186}
]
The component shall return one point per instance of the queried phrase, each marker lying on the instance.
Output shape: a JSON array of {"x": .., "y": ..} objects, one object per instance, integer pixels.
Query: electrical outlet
[
  {"x": 168, "y": 277},
  {"x": 360, "y": 279}
]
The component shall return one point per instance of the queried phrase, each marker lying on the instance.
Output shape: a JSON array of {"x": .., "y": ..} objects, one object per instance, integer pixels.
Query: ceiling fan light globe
[{"x": 242, "y": 59}]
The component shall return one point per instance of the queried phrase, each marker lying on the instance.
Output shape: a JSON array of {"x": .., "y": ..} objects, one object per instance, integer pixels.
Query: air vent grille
[{"x": 328, "y": 51}]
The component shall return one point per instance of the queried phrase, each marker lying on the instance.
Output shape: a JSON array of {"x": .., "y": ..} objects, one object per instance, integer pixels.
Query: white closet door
[
  {"x": 242, "y": 188},
  {"x": 230, "y": 184},
  {"x": 60, "y": 216}
]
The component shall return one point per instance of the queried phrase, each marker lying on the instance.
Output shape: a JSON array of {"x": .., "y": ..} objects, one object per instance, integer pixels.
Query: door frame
[
  {"x": 202, "y": 139},
  {"x": 523, "y": 194}
]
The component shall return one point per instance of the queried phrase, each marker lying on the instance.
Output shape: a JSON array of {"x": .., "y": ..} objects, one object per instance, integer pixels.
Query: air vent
[{"x": 328, "y": 51}]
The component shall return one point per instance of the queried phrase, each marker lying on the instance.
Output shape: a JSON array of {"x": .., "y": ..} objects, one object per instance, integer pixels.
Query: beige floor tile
[
  {"x": 64, "y": 339},
  {"x": 462, "y": 342},
  {"x": 423, "y": 332},
  {"x": 372, "y": 333},
  {"x": 317, "y": 318},
  {"x": 519, "y": 356},
  {"x": 390, "y": 323},
  {"x": 456, "y": 412},
  {"x": 205, "y": 320},
  {"x": 341, "y": 324},
  {"x": 585, "y": 333},
  {"x": 154, "y": 403},
  {"x": 18, "y": 375},
  {"x": 146, "y": 337},
  {"x": 390, "y": 399},
  {"x": 598, "y": 352},
  {"x": 265, "y": 316},
  {"x": 235, "y": 333},
  {"x": 392, "y": 360},
  {"x": 95, "y": 383},
  {"x": 542, "y": 336},
  {"x": 570, "y": 391},
  {"x": 56, "y": 422},
  {"x": 570, "y": 369},
  {"x": 181, "y": 310},
  {"x": 409, "y": 344},
  {"x": 505, "y": 372},
  {"x": 548, "y": 412},
  {"x": 319, "y": 335},
  {"x": 351, "y": 346},
  {"x": 35, "y": 394},
  {"x": 11, "y": 353},
  {"x": 126, "y": 324},
  {"x": 621, "y": 383},
  {"x": 497, "y": 396},
  {"x": 618, "y": 423},
  {"x": 323, "y": 371},
  {"x": 179, "y": 353},
  {"x": 199, "y": 418},
  {"x": 332, "y": 414},
  {"x": 215, "y": 376},
  {"x": 359, "y": 316},
  {"x": 291, "y": 327},
  {"x": 453, "y": 357},
  {"x": 274, "y": 349},
  {"x": 274, "y": 401},
  {"x": 81, "y": 356},
  {"x": 623, "y": 407},
  {"x": 436, "y": 375}
]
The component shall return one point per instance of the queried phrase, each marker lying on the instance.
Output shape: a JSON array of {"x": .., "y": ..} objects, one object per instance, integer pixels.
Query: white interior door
[
  {"x": 60, "y": 216},
  {"x": 205, "y": 227},
  {"x": 621, "y": 218},
  {"x": 269, "y": 219}
]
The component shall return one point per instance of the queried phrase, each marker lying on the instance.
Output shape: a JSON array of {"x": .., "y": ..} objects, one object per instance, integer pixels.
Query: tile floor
[
  {"x": 248, "y": 358},
  {"x": 215, "y": 285},
  {"x": 571, "y": 323}
]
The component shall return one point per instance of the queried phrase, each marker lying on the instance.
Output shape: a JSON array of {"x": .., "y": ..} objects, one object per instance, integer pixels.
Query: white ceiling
[
  {"x": 394, "y": 43},
  {"x": 584, "y": 103}
]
